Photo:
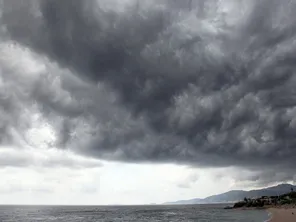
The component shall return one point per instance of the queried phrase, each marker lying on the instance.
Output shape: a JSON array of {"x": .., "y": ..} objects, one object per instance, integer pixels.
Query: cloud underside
[
  {"x": 46, "y": 158},
  {"x": 205, "y": 83}
]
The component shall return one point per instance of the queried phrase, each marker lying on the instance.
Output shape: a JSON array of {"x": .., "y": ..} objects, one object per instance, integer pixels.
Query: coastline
[
  {"x": 280, "y": 208},
  {"x": 284, "y": 213}
]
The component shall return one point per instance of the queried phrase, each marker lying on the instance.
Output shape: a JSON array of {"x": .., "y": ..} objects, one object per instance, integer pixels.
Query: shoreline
[{"x": 283, "y": 213}]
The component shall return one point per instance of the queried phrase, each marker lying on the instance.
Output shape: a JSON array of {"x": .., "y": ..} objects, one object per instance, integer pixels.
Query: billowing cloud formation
[{"x": 207, "y": 83}]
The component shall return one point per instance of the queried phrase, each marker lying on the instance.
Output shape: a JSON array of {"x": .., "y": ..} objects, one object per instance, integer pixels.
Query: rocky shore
[
  {"x": 282, "y": 207},
  {"x": 266, "y": 201}
]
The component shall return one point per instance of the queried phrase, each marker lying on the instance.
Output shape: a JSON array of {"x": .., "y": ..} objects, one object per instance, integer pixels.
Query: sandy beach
[{"x": 283, "y": 214}]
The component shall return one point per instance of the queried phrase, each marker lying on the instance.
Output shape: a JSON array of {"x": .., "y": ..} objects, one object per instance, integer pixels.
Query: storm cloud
[{"x": 203, "y": 83}]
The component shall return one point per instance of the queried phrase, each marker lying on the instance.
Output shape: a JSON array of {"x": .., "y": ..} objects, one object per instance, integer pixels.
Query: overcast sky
[{"x": 138, "y": 102}]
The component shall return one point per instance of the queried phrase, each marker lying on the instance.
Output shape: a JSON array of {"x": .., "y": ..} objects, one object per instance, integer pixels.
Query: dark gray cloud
[
  {"x": 207, "y": 83},
  {"x": 264, "y": 177}
]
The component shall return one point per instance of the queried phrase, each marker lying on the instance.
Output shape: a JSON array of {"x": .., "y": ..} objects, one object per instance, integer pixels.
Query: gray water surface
[{"x": 198, "y": 213}]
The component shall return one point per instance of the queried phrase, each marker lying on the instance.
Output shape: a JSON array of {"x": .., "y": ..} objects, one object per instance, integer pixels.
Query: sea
[{"x": 152, "y": 213}]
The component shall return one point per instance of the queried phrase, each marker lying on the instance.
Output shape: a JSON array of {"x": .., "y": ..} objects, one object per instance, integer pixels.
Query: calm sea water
[{"x": 198, "y": 213}]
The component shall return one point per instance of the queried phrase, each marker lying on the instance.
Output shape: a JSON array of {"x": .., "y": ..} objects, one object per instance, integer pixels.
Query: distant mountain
[
  {"x": 237, "y": 195},
  {"x": 182, "y": 202}
]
